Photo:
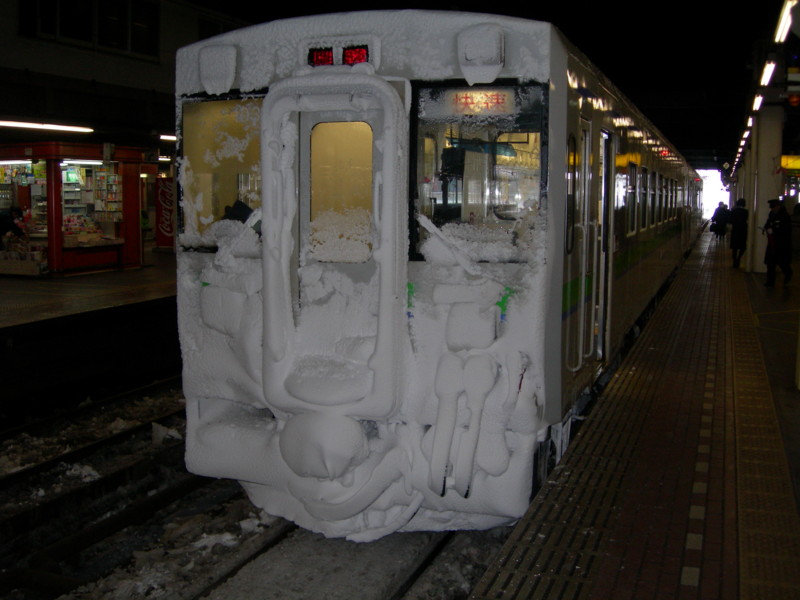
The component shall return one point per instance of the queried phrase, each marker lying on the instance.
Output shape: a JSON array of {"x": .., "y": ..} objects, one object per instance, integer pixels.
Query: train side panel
[{"x": 627, "y": 211}]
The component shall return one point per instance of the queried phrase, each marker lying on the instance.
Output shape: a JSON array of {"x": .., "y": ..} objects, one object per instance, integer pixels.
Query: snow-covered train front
[{"x": 372, "y": 265}]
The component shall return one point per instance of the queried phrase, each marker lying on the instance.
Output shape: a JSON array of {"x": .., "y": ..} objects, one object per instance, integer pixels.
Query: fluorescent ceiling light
[
  {"x": 47, "y": 126},
  {"x": 757, "y": 102},
  {"x": 169, "y": 138},
  {"x": 80, "y": 161},
  {"x": 15, "y": 162},
  {"x": 766, "y": 74},
  {"x": 785, "y": 21}
]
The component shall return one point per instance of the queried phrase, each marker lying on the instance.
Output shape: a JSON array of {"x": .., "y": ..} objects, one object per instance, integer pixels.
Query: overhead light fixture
[
  {"x": 15, "y": 162},
  {"x": 46, "y": 126},
  {"x": 785, "y": 21},
  {"x": 168, "y": 138},
  {"x": 757, "y": 102},
  {"x": 80, "y": 161},
  {"x": 766, "y": 74}
]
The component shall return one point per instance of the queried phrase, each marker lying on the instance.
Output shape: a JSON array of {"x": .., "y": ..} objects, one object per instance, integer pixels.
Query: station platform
[
  {"x": 32, "y": 299},
  {"x": 682, "y": 481}
]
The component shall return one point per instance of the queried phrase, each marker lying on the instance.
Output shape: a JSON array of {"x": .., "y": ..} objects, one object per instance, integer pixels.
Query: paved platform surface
[
  {"x": 678, "y": 485},
  {"x": 31, "y": 299}
]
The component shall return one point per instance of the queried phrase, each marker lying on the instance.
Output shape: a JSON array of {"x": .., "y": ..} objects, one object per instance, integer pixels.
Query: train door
[
  {"x": 585, "y": 270},
  {"x": 606, "y": 168},
  {"x": 333, "y": 268}
]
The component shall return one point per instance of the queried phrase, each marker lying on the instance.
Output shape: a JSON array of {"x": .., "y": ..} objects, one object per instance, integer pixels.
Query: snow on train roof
[{"x": 414, "y": 44}]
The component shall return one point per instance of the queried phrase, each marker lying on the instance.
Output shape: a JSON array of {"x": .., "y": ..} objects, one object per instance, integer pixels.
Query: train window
[
  {"x": 656, "y": 207},
  {"x": 620, "y": 189},
  {"x": 478, "y": 160},
  {"x": 671, "y": 203},
  {"x": 675, "y": 192},
  {"x": 666, "y": 199},
  {"x": 644, "y": 196},
  {"x": 220, "y": 162},
  {"x": 341, "y": 206},
  {"x": 572, "y": 176},
  {"x": 630, "y": 200},
  {"x": 669, "y": 200}
]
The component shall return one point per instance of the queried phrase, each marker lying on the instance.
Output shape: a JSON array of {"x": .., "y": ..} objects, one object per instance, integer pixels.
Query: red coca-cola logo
[{"x": 166, "y": 203}]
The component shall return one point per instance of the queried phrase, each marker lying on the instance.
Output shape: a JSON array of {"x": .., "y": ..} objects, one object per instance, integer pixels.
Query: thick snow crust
[
  {"x": 362, "y": 395},
  {"x": 456, "y": 453},
  {"x": 415, "y": 45}
]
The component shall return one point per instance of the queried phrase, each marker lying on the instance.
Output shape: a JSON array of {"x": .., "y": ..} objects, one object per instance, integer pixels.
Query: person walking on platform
[
  {"x": 738, "y": 221},
  {"x": 779, "y": 242},
  {"x": 719, "y": 221}
]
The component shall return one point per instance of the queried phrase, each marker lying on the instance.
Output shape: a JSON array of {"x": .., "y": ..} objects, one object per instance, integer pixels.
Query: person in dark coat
[
  {"x": 719, "y": 221},
  {"x": 738, "y": 221},
  {"x": 9, "y": 223},
  {"x": 779, "y": 242}
]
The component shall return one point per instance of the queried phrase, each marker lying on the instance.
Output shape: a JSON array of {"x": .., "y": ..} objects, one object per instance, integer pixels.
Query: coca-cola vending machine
[{"x": 165, "y": 213}]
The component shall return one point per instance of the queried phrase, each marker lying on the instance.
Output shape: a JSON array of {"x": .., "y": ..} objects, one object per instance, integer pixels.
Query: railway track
[
  {"x": 67, "y": 480},
  {"x": 278, "y": 560},
  {"x": 96, "y": 503}
]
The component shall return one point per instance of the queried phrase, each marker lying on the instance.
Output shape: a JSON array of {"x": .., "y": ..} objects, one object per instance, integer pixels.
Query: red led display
[
  {"x": 320, "y": 56},
  {"x": 355, "y": 55},
  {"x": 474, "y": 102}
]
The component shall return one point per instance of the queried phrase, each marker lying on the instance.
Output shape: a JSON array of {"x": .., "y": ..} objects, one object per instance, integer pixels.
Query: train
[{"x": 411, "y": 242}]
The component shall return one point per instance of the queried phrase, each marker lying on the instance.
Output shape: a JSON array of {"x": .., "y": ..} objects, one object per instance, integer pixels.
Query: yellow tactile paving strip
[
  {"x": 769, "y": 527},
  {"x": 677, "y": 485}
]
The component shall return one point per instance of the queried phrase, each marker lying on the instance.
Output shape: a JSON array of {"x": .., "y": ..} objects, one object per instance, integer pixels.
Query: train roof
[{"x": 415, "y": 44}]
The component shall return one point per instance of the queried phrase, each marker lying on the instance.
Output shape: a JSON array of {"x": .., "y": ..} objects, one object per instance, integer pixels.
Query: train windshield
[
  {"x": 479, "y": 165},
  {"x": 340, "y": 207},
  {"x": 221, "y": 162}
]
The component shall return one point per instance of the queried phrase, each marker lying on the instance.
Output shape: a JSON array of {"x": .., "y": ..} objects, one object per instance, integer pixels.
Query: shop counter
[{"x": 92, "y": 253}]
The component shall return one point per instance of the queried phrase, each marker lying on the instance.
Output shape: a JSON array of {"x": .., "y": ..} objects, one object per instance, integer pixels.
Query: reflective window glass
[
  {"x": 220, "y": 161},
  {"x": 341, "y": 192}
]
